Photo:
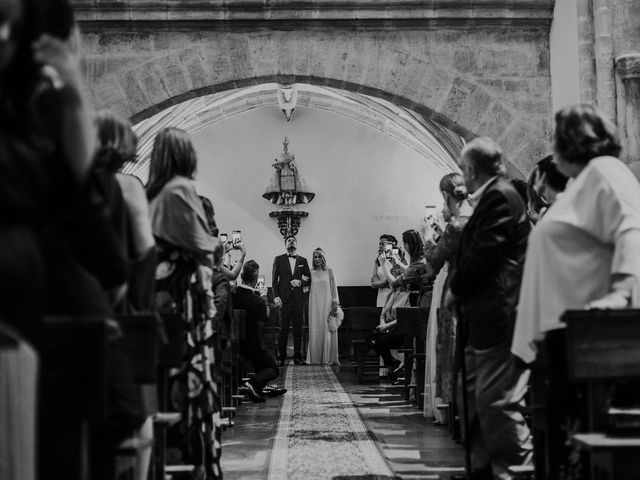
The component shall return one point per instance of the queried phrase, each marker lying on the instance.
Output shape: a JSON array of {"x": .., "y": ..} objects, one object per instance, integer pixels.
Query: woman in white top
[
  {"x": 585, "y": 251},
  {"x": 323, "y": 299}
]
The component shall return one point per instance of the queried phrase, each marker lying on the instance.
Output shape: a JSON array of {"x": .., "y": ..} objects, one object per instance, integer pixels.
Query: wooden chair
[
  {"x": 412, "y": 324},
  {"x": 358, "y": 323}
]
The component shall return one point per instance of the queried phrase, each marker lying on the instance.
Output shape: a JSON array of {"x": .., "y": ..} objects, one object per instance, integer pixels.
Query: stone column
[{"x": 628, "y": 69}]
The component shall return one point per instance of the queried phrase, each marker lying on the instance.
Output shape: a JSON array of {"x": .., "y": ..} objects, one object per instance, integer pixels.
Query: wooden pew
[
  {"x": 574, "y": 369},
  {"x": 603, "y": 346},
  {"x": 412, "y": 324},
  {"x": 358, "y": 323}
]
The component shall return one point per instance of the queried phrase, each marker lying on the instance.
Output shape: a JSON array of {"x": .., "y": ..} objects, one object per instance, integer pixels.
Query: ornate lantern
[{"x": 288, "y": 189}]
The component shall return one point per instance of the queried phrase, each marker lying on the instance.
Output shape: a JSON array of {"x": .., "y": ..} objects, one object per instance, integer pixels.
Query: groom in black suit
[{"x": 290, "y": 275}]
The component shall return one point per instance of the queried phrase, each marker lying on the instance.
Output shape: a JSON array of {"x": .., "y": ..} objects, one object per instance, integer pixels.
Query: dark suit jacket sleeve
[
  {"x": 493, "y": 226},
  {"x": 275, "y": 278},
  {"x": 307, "y": 274}
]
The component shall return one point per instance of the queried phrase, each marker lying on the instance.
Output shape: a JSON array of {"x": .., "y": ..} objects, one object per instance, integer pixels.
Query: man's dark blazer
[
  {"x": 281, "y": 279},
  {"x": 489, "y": 265},
  {"x": 256, "y": 316}
]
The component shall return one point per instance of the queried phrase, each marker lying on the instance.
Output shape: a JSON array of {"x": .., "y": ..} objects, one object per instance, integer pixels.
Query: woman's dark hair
[
  {"x": 554, "y": 178},
  {"x": 172, "y": 155},
  {"x": 117, "y": 142},
  {"x": 584, "y": 132},
  {"x": 453, "y": 184},
  {"x": 415, "y": 247}
]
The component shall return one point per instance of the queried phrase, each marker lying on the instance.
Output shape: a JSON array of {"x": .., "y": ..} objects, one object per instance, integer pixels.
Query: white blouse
[{"x": 590, "y": 232}]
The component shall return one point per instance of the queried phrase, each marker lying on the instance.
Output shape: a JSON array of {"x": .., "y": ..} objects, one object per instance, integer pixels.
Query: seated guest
[
  {"x": 484, "y": 287},
  {"x": 247, "y": 298},
  {"x": 584, "y": 252}
]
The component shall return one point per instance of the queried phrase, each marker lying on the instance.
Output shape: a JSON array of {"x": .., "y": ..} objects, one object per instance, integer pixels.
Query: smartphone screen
[
  {"x": 395, "y": 250},
  {"x": 236, "y": 237},
  {"x": 224, "y": 237},
  {"x": 387, "y": 249},
  {"x": 260, "y": 284}
]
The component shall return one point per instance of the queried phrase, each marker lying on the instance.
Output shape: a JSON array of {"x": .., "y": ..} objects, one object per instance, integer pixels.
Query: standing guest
[
  {"x": 585, "y": 251},
  {"x": 378, "y": 279},
  {"x": 290, "y": 275},
  {"x": 484, "y": 288},
  {"x": 440, "y": 257},
  {"x": 117, "y": 144},
  {"x": 323, "y": 302},
  {"x": 247, "y": 298},
  {"x": 545, "y": 184},
  {"x": 185, "y": 248},
  {"x": 416, "y": 276}
]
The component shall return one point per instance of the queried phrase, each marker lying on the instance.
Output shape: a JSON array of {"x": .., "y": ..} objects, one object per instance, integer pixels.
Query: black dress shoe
[
  {"x": 272, "y": 392},
  {"x": 281, "y": 363},
  {"x": 253, "y": 394},
  {"x": 299, "y": 361}
]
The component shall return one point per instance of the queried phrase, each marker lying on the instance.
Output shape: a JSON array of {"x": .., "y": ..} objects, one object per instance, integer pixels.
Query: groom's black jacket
[{"x": 281, "y": 279}]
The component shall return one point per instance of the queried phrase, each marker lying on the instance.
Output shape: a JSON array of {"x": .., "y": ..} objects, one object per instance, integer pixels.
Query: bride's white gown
[{"x": 323, "y": 344}]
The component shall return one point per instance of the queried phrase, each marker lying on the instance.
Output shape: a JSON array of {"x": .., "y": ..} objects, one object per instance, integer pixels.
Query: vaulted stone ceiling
[{"x": 433, "y": 142}]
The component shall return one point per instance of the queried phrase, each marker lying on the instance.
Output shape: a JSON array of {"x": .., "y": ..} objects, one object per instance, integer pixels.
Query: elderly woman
[
  {"x": 586, "y": 249},
  {"x": 584, "y": 252}
]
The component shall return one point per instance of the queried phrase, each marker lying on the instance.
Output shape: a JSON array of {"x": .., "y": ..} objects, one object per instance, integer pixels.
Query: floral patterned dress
[
  {"x": 184, "y": 285},
  {"x": 436, "y": 255}
]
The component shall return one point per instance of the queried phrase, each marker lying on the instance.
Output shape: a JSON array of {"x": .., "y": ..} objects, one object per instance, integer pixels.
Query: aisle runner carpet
[{"x": 320, "y": 434}]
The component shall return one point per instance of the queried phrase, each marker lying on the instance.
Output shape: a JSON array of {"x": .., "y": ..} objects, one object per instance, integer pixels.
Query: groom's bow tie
[{"x": 292, "y": 255}]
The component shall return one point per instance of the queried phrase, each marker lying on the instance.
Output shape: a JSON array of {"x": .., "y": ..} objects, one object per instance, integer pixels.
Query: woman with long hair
[
  {"x": 441, "y": 333},
  {"x": 323, "y": 301},
  {"x": 185, "y": 248},
  {"x": 415, "y": 276}
]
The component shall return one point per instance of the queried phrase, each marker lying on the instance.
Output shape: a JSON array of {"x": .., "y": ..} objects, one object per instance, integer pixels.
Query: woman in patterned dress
[
  {"x": 438, "y": 256},
  {"x": 183, "y": 276}
]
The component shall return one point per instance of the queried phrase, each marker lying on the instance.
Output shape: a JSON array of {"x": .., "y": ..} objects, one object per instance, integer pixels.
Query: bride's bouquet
[{"x": 336, "y": 315}]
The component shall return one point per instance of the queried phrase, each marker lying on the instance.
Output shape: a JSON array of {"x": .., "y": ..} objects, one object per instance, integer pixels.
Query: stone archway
[{"x": 482, "y": 78}]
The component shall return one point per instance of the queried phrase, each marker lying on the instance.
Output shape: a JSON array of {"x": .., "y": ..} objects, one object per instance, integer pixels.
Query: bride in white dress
[{"x": 323, "y": 298}]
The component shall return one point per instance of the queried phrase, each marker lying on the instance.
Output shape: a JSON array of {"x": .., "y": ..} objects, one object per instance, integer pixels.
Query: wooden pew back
[{"x": 603, "y": 344}]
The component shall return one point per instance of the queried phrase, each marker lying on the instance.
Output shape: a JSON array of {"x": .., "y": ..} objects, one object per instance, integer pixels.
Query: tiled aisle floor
[{"x": 412, "y": 446}]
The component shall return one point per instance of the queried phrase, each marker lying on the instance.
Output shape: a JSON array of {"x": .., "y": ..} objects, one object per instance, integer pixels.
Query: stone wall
[{"x": 473, "y": 74}]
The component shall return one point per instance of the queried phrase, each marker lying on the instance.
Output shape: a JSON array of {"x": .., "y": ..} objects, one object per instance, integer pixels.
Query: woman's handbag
[{"x": 335, "y": 319}]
